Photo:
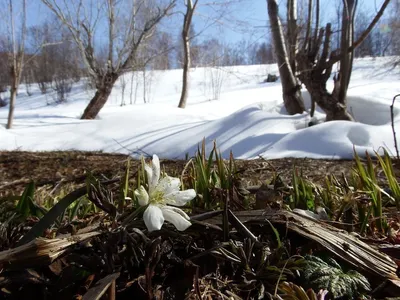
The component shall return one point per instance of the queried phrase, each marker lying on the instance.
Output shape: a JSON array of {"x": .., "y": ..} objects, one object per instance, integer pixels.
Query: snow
[{"x": 248, "y": 118}]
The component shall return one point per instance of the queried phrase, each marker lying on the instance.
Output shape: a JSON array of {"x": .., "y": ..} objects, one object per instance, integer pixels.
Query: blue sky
[
  {"x": 251, "y": 15},
  {"x": 254, "y": 15}
]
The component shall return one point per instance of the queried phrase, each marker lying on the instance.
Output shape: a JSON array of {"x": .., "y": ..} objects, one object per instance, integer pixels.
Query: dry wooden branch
[
  {"x": 40, "y": 251},
  {"x": 101, "y": 287},
  {"x": 339, "y": 242}
]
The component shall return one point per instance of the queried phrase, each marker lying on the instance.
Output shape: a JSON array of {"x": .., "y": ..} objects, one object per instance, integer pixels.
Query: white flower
[{"x": 162, "y": 192}]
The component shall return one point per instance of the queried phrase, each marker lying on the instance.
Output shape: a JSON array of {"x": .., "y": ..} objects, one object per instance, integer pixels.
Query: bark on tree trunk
[
  {"x": 13, "y": 96},
  {"x": 292, "y": 33},
  {"x": 123, "y": 48},
  {"x": 186, "y": 67},
  {"x": 329, "y": 102},
  {"x": 17, "y": 60},
  {"x": 346, "y": 61},
  {"x": 315, "y": 71},
  {"x": 103, "y": 91},
  {"x": 187, "y": 21},
  {"x": 292, "y": 98},
  {"x": 15, "y": 78},
  {"x": 315, "y": 66}
]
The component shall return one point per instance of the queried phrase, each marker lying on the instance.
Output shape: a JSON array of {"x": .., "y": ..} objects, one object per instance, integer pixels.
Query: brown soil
[
  {"x": 17, "y": 168},
  {"x": 184, "y": 259}
]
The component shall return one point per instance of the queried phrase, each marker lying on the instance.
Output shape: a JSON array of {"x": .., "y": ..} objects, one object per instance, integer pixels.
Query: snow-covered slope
[{"x": 248, "y": 118}]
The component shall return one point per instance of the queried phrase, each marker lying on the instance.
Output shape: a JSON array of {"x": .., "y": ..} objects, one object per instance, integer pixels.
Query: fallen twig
[
  {"x": 40, "y": 251},
  {"x": 101, "y": 287},
  {"x": 339, "y": 242}
]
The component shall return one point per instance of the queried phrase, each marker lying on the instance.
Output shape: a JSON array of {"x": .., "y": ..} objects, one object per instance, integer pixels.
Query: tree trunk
[
  {"x": 187, "y": 21},
  {"x": 315, "y": 64},
  {"x": 17, "y": 60},
  {"x": 346, "y": 61},
  {"x": 130, "y": 95},
  {"x": 292, "y": 98},
  {"x": 186, "y": 67},
  {"x": 329, "y": 102},
  {"x": 104, "y": 88},
  {"x": 315, "y": 71},
  {"x": 335, "y": 111},
  {"x": 13, "y": 96},
  {"x": 292, "y": 32},
  {"x": 123, "y": 47}
]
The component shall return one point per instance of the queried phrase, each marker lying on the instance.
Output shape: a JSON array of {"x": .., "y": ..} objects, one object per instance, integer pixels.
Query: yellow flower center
[{"x": 157, "y": 197}]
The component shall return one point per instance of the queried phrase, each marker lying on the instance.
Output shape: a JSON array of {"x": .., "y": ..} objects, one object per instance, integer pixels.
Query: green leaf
[
  {"x": 124, "y": 187},
  {"x": 75, "y": 208},
  {"x": 25, "y": 206},
  {"x": 210, "y": 158},
  {"x": 277, "y": 236},
  {"x": 100, "y": 196},
  {"x": 368, "y": 183},
  {"x": 387, "y": 167},
  {"x": 51, "y": 216},
  {"x": 329, "y": 275}
]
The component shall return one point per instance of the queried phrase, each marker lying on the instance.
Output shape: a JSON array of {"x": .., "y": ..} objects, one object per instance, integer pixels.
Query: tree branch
[
  {"x": 308, "y": 30},
  {"x": 147, "y": 30},
  {"x": 364, "y": 35}
]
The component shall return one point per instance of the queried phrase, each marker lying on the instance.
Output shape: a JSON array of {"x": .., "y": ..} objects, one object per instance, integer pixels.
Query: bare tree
[
  {"x": 4, "y": 76},
  {"x": 264, "y": 54},
  {"x": 292, "y": 33},
  {"x": 315, "y": 62},
  {"x": 45, "y": 60},
  {"x": 123, "y": 83},
  {"x": 347, "y": 57},
  {"x": 367, "y": 46},
  {"x": 16, "y": 57},
  {"x": 134, "y": 88},
  {"x": 28, "y": 80},
  {"x": 292, "y": 97},
  {"x": 187, "y": 21},
  {"x": 124, "y": 38},
  {"x": 220, "y": 8},
  {"x": 64, "y": 67},
  {"x": 394, "y": 32},
  {"x": 239, "y": 54},
  {"x": 161, "y": 49}
]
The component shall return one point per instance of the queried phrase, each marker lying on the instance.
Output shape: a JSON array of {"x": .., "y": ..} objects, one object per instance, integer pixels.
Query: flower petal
[
  {"x": 153, "y": 218},
  {"x": 177, "y": 217},
  {"x": 149, "y": 173},
  {"x": 167, "y": 185},
  {"x": 143, "y": 197},
  {"x": 180, "y": 198},
  {"x": 153, "y": 173}
]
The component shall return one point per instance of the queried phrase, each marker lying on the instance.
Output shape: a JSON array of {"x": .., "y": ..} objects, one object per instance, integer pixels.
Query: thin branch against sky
[{"x": 244, "y": 20}]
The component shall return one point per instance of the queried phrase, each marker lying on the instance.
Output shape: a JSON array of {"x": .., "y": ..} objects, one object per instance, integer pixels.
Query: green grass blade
[
  {"x": 124, "y": 188},
  {"x": 25, "y": 204},
  {"x": 277, "y": 236},
  {"x": 296, "y": 188},
  {"x": 51, "y": 216},
  {"x": 210, "y": 158},
  {"x": 75, "y": 209},
  {"x": 387, "y": 167}
]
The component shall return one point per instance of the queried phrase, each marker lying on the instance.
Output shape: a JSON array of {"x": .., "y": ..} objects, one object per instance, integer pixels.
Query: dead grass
[
  {"x": 47, "y": 169},
  {"x": 200, "y": 263}
]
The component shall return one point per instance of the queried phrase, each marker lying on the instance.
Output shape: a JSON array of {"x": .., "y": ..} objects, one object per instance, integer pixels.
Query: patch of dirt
[
  {"x": 171, "y": 262},
  {"x": 17, "y": 168}
]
